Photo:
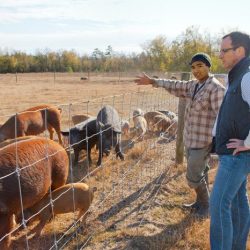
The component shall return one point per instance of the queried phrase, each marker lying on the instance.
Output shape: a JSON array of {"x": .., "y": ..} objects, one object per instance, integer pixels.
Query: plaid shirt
[{"x": 200, "y": 112}]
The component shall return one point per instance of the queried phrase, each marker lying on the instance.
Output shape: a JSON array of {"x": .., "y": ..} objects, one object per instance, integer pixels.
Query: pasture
[{"x": 138, "y": 201}]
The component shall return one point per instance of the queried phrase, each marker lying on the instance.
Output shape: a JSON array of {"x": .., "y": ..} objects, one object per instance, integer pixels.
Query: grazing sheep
[
  {"x": 76, "y": 119},
  {"x": 162, "y": 122},
  {"x": 109, "y": 129},
  {"x": 125, "y": 127},
  {"x": 65, "y": 200},
  {"x": 42, "y": 164},
  {"x": 137, "y": 112},
  {"x": 140, "y": 125},
  {"x": 173, "y": 127},
  {"x": 33, "y": 121},
  {"x": 149, "y": 116},
  {"x": 168, "y": 113}
]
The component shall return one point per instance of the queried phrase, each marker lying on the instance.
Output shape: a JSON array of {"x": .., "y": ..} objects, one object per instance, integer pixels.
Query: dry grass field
[{"x": 138, "y": 201}]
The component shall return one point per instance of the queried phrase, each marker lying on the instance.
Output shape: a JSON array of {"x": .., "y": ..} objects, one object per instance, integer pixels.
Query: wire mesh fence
[{"x": 125, "y": 189}]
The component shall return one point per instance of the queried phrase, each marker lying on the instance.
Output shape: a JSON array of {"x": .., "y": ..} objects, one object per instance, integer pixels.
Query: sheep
[
  {"x": 62, "y": 203},
  {"x": 125, "y": 127},
  {"x": 168, "y": 113},
  {"x": 149, "y": 116},
  {"x": 33, "y": 121},
  {"x": 173, "y": 127},
  {"x": 42, "y": 163},
  {"x": 140, "y": 125},
  {"x": 137, "y": 112},
  {"x": 162, "y": 122},
  {"x": 76, "y": 119}
]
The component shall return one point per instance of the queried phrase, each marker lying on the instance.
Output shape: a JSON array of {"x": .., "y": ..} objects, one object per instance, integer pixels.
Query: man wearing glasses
[{"x": 229, "y": 208}]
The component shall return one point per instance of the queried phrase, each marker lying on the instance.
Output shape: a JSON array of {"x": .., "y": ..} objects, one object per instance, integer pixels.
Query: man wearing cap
[{"x": 204, "y": 96}]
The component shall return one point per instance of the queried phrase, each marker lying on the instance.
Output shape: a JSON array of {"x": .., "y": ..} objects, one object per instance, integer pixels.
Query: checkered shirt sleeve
[{"x": 200, "y": 112}]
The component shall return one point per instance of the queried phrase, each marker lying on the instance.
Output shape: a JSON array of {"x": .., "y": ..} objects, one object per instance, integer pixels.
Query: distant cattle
[
  {"x": 33, "y": 121},
  {"x": 84, "y": 78},
  {"x": 30, "y": 168}
]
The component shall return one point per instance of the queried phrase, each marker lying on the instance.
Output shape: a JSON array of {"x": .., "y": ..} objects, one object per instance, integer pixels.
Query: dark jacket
[{"x": 234, "y": 115}]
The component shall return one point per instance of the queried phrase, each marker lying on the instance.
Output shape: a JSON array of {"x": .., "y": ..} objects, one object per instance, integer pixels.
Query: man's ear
[{"x": 241, "y": 51}]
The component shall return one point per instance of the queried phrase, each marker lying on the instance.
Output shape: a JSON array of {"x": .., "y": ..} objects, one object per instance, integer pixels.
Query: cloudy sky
[{"x": 83, "y": 25}]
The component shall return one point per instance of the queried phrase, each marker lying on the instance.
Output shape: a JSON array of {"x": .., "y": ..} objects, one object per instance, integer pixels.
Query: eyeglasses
[{"x": 228, "y": 49}]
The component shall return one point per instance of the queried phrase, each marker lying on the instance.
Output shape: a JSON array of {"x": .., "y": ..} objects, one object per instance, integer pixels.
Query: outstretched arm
[
  {"x": 175, "y": 87},
  {"x": 144, "y": 80}
]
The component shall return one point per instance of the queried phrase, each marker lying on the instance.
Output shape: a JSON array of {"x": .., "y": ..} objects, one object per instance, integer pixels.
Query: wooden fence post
[
  {"x": 179, "y": 153},
  {"x": 119, "y": 77}
]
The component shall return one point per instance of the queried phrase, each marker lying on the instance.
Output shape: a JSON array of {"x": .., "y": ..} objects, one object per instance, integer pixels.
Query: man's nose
[
  {"x": 195, "y": 71},
  {"x": 221, "y": 54}
]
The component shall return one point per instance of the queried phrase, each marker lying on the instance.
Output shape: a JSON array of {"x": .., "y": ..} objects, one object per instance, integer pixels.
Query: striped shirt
[{"x": 201, "y": 110}]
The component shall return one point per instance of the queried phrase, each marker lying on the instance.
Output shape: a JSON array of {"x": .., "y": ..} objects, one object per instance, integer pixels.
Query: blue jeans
[{"x": 229, "y": 207}]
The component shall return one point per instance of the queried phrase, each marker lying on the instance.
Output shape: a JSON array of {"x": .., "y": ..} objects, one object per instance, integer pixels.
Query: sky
[{"x": 125, "y": 25}]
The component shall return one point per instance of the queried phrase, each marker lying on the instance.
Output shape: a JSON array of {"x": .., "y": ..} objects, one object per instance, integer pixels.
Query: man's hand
[
  {"x": 144, "y": 80},
  {"x": 238, "y": 145}
]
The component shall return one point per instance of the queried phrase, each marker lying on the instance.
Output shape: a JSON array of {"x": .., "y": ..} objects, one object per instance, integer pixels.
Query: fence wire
[{"x": 130, "y": 185}]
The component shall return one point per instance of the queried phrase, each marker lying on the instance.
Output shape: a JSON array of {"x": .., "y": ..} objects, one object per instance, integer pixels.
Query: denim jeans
[{"x": 229, "y": 207}]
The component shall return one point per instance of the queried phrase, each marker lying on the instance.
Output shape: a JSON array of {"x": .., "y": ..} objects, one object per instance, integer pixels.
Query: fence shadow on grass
[
  {"x": 116, "y": 208},
  {"x": 168, "y": 237}
]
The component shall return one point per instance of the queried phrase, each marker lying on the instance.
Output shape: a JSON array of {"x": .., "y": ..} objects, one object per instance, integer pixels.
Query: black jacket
[{"x": 234, "y": 115}]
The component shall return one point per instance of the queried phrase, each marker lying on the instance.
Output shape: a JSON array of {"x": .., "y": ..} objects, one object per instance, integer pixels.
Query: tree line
[{"x": 157, "y": 55}]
